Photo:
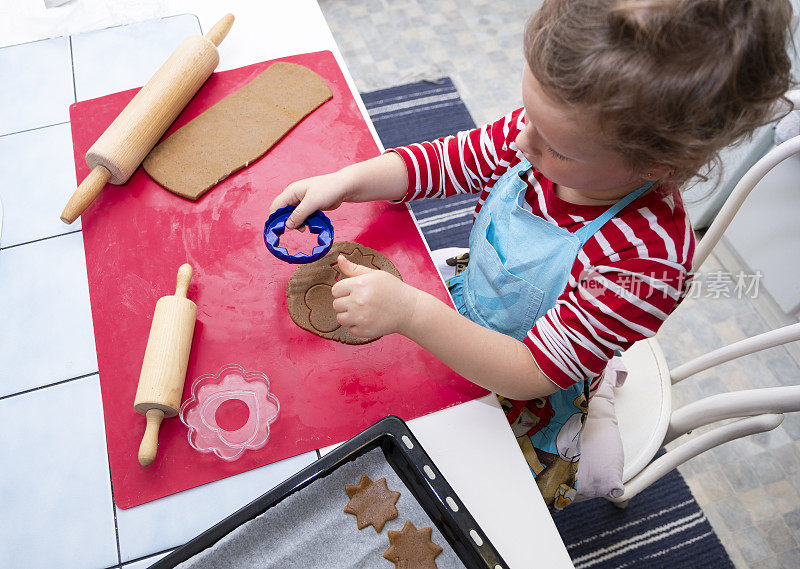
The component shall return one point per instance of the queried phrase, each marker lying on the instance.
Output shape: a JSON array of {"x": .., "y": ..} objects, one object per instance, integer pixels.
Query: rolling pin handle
[
  {"x": 85, "y": 194},
  {"x": 184, "y": 277},
  {"x": 149, "y": 446},
  {"x": 220, "y": 30}
]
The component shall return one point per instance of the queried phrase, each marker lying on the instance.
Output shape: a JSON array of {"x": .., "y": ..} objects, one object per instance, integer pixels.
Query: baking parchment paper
[{"x": 309, "y": 529}]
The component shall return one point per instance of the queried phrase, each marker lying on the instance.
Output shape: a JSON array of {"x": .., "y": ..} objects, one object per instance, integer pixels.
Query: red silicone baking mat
[{"x": 137, "y": 235}]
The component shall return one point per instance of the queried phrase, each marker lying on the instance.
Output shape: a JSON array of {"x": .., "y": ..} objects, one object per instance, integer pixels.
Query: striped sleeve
[
  {"x": 463, "y": 163},
  {"x": 625, "y": 282},
  {"x": 608, "y": 310}
]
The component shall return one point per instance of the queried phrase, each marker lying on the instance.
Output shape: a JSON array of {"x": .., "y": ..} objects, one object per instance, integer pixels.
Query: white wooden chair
[{"x": 646, "y": 428}]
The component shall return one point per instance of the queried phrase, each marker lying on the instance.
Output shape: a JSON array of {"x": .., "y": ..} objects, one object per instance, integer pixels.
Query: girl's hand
[
  {"x": 381, "y": 178},
  {"x": 370, "y": 302},
  {"x": 320, "y": 192}
]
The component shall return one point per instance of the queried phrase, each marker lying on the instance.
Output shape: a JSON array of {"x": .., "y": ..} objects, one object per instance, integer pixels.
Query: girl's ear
[{"x": 657, "y": 171}]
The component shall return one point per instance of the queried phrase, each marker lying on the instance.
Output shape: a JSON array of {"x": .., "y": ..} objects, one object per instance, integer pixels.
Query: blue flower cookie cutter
[{"x": 318, "y": 223}]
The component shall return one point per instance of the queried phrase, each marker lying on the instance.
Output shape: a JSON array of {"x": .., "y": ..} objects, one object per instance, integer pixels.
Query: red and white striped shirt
[{"x": 625, "y": 280}]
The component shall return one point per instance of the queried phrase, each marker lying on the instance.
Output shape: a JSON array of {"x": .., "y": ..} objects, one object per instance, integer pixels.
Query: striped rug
[
  {"x": 424, "y": 111},
  {"x": 663, "y": 526}
]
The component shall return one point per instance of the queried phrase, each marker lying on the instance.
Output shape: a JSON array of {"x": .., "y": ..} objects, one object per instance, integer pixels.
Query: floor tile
[
  {"x": 790, "y": 559},
  {"x": 778, "y": 536},
  {"x": 764, "y": 503},
  {"x": 703, "y": 463},
  {"x": 770, "y": 440},
  {"x": 769, "y": 563},
  {"x": 47, "y": 333},
  {"x": 718, "y": 522},
  {"x": 123, "y": 57},
  {"x": 789, "y": 456},
  {"x": 33, "y": 196},
  {"x": 762, "y": 375},
  {"x": 792, "y": 520},
  {"x": 736, "y": 378},
  {"x": 791, "y": 423},
  {"x": 710, "y": 383},
  {"x": 758, "y": 505},
  {"x": 172, "y": 521},
  {"x": 714, "y": 484},
  {"x": 733, "y": 450},
  {"x": 733, "y": 513},
  {"x": 794, "y": 480},
  {"x": 751, "y": 545},
  {"x": 36, "y": 89},
  {"x": 736, "y": 557},
  {"x": 741, "y": 475},
  {"x": 783, "y": 496},
  {"x": 780, "y": 362},
  {"x": 767, "y": 466},
  {"x": 751, "y": 323},
  {"x": 56, "y": 498}
]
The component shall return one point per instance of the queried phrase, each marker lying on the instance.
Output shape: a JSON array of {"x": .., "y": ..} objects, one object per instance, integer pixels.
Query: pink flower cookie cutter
[{"x": 214, "y": 412}]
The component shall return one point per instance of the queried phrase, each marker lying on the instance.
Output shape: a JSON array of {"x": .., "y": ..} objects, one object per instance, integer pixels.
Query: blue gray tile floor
[{"x": 750, "y": 488}]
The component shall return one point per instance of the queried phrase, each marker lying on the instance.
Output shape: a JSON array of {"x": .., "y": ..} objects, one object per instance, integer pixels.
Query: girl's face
[{"x": 564, "y": 144}]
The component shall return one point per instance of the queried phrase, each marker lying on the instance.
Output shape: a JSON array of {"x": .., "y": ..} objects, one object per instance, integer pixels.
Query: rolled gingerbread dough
[{"x": 237, "y": 131}]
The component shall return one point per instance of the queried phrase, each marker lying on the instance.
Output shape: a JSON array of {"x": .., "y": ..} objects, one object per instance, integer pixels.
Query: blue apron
[{"x": 519, "y": 264}]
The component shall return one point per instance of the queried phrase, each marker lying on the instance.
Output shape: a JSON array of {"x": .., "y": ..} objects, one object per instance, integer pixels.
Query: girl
[{"x": 581, "y": 245}]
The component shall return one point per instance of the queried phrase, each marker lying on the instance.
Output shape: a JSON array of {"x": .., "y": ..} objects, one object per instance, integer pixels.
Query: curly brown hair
[{"x": 672, "y": 82}]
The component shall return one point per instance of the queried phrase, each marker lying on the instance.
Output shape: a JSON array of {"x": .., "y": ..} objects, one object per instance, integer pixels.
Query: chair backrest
[
  {"x": 742, "y": 189},
  {"x": 738, "y": 349},
  {"x": 723, "y": 219}
]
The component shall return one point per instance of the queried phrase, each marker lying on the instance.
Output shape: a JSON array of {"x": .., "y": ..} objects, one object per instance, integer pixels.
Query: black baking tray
[{"x": 408, "y": 459}]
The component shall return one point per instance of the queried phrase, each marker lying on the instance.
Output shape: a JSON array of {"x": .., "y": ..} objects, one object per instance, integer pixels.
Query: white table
[{"x": 56, "y": 504}]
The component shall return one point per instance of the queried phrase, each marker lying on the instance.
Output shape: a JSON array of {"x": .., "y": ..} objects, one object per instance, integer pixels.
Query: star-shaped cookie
[
  {"x": 372, "y": 503},
  {"x": 412, "y": 548}
]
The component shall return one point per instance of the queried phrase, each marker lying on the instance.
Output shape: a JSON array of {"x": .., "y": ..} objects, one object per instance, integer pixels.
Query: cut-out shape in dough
[
  {"x": 323, "y": 318},
  {"x": 309, "y": 297}
]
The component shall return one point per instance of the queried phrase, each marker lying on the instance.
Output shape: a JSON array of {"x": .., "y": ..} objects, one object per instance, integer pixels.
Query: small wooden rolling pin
[
  {"x": 115, "y": 156},
  {"x": 165, "y": 360}
]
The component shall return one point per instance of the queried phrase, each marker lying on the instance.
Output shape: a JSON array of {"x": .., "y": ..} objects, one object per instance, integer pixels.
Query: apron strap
[{"x": 586, "y": 232}]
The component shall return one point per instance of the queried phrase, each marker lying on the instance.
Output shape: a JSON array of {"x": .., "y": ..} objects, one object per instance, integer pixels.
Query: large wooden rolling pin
[
  {"x": 165, "y": 360},
  {"x": 121, "y": 148}
]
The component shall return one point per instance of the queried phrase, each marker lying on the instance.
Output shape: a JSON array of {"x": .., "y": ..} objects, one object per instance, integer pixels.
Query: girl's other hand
[
  {"x": 325, "y": 192},
  {"x": 370, "y": 302}
]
